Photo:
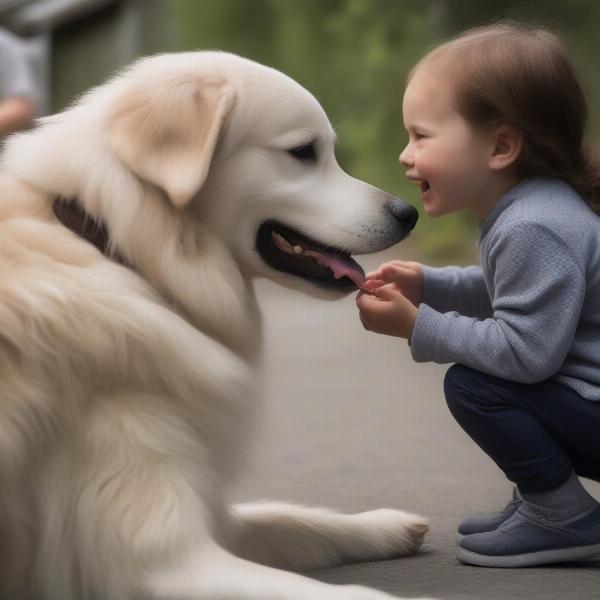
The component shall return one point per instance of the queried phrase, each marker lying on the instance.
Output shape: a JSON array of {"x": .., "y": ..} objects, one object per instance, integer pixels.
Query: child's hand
[
  {"x": 387, "y": 311},
  {"x": 407, "y": 275}
]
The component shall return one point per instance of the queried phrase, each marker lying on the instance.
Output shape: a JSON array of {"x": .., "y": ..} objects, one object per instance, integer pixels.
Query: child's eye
[{"x": 419, "y": 136}]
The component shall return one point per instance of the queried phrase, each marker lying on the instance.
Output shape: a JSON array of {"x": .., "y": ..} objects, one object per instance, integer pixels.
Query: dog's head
[{"x": 250, "y": 152}]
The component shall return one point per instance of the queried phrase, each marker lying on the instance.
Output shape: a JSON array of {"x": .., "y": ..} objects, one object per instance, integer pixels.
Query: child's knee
[{"x": 462, "y": 384}]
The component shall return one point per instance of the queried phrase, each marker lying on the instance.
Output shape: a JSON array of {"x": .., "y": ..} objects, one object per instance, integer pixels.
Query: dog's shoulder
[{"x": 60, "y": 297}]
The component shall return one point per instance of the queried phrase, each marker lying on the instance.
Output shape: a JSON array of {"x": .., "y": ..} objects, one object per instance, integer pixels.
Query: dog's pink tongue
[{"x": 341, "y": 268}]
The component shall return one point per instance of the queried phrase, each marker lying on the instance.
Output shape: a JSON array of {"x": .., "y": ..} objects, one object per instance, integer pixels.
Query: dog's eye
[{"x": 306, "y": 152}]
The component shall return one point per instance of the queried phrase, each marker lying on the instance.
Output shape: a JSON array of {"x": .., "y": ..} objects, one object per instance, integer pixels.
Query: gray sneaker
[
  {"x": 527, "y": 539},
  {"x": 482, "y": 524}
]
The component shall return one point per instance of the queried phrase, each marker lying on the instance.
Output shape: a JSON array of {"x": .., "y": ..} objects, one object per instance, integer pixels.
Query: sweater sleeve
[
  {"x": 461, "y": 289},
  {"x": 539, "y": 289}
]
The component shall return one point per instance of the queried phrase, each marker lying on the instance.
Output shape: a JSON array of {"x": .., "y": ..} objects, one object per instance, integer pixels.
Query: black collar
[{"x": 86, "y": 227}]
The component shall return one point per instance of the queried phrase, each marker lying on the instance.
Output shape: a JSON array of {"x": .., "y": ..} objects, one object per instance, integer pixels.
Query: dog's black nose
[{"x": 404, "y": 212}]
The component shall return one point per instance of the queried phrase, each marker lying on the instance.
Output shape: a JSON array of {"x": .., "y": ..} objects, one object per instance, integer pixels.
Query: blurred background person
[{"x": 19, "y": 92}]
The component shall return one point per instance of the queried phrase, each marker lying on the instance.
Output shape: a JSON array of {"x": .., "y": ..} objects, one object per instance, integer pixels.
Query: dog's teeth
[{"x": 282, "y": 243}]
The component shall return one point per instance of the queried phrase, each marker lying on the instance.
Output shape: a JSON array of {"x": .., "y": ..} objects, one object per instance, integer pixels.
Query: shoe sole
[{"x": 530, "y": 559}]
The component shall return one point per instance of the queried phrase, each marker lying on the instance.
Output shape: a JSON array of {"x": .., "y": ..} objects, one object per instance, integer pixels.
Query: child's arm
[
  {"x": 461, "y": 289},
  {"x": 448, "y": 288},
  {"x": 403, "y": 282},
  {"x": 539, "y": 288}
]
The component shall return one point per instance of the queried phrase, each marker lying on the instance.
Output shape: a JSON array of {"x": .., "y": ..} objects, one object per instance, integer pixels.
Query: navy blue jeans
[{"x": 536, "y": 433}]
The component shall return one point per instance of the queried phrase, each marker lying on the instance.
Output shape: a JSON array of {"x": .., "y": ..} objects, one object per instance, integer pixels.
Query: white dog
[{"x": 127, "y": 365}]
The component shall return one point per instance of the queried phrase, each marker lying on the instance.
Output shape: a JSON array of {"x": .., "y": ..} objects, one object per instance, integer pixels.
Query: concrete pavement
[{"x": 352, "y": 423}]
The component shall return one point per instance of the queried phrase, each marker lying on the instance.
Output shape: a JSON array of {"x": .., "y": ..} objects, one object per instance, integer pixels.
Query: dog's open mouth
[{"x": 288, "y": 250}]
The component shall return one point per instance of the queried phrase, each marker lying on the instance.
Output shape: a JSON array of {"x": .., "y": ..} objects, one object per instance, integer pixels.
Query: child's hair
[{"x": 521, "y": 76}]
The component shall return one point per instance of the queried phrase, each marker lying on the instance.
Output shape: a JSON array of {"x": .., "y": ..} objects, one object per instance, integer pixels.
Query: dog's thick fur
[{"x": 127, "y": 394}]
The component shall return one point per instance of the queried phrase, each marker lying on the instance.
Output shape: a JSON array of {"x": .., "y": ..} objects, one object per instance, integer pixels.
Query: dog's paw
[{"x": 399, "y": 533}]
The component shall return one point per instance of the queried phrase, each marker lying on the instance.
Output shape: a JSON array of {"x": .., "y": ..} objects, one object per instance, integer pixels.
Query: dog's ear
[{"x": 167, "y": 135}]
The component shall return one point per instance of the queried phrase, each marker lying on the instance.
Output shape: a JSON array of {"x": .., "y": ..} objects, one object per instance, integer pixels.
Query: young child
[{"x": 496, "y": 119}]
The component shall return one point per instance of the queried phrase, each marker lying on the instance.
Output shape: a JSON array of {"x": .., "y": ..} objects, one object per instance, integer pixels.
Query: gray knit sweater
[{"x": 532, "y": 310}]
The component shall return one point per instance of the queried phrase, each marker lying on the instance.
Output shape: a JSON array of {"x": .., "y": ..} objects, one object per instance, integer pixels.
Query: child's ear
[{"x": 508, "y": 143}]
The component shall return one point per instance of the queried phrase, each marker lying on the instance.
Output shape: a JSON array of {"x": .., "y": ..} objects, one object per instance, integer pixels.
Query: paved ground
[{"x": 353, "y": 423}]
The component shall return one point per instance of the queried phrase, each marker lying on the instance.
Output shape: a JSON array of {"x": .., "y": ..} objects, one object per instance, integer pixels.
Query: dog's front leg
[
  {"x": 145, "y": 516},
  {"x": 299, "y": 538}
]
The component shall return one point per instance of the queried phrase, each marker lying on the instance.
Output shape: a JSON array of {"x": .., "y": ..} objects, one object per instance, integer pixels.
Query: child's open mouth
[{"x": 422, "y": 183}]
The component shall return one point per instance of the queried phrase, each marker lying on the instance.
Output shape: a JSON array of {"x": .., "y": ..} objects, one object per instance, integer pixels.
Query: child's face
[{"x": 445, "y": 155}]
